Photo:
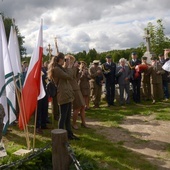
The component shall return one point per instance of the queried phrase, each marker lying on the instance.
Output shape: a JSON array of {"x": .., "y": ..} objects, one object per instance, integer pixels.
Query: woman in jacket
[
  {"x": 65, "y": 94},
  {"x": 78, "y": 102}
]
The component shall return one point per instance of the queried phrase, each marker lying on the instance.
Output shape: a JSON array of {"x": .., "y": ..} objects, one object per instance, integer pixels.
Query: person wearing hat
[
  {"x": 109, "y": 71},
  {"x": 145, "y": 80},
  {"x": 165, "y": 79},
  {"x": 135, "y": 78},
  {"x": 96, "y": 82},
  {"x": 156, "y": 72}
]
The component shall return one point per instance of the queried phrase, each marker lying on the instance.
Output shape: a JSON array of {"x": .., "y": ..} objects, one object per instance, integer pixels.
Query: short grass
[{"x": 93, "y": 151}]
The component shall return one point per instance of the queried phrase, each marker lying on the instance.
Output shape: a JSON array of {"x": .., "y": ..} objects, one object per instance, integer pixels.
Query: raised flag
[
  {"x": 166, "y": 66},
  {"x": 9, "y": 81},
  {"x": 3, "y": 98},
  {"x": 13, "y": 47},
  {"x": 32, "y": 85}
]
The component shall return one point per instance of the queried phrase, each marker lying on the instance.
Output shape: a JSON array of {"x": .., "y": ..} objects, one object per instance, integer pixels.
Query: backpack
[{"x": 51, "y": 89}]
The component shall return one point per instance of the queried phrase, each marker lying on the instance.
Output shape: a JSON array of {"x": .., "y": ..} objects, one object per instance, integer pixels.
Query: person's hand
[
  {"x": 166, "y": 51},
  {"x": 99, "y": 71},
  {"x": 126, "y": 79},
  {"x": 158, "y": 72},
  {"x": 76, "y": 64},
  {"x": 121, "y": 70}
]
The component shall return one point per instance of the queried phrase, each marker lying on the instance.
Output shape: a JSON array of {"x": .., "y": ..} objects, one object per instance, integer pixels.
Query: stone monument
[{"x": 148, "y": 52}]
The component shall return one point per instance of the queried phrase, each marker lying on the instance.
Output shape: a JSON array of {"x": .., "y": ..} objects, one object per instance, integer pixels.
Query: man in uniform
[
  {"x": 96, "y": 83},
  {"x": 135, "y": 77},
  {"x": 156, "y": 72},
  {"x": 109, "y": 71}
]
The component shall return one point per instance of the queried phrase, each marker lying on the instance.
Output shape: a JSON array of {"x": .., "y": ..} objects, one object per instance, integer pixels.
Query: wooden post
[{"x": 60, "y": 156}]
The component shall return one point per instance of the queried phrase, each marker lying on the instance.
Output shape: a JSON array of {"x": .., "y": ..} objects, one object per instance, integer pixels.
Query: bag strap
[{"x": 54, "y": 82}]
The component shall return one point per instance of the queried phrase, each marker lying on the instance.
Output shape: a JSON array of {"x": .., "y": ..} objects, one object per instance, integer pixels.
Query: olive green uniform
[{"x": 96, "y": 85}]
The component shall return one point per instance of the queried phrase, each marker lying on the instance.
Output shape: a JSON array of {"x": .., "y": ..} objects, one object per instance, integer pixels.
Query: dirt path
[{"x": 142, "y": 134}]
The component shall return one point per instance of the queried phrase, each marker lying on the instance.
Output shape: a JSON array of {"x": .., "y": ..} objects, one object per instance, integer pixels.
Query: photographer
[{"x": 65, "y": 94}]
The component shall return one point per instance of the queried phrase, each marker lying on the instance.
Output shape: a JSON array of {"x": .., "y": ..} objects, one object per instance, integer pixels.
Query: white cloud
[{"x": 85, "y": 24}]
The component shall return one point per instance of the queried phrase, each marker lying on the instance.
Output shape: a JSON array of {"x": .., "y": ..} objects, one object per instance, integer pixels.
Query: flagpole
[
  {"x": 33, "y": 87},
  {"x": 35, "y": 121},
  {"x": 22, "y": 115},
  {"x": 14, "y": 50}
]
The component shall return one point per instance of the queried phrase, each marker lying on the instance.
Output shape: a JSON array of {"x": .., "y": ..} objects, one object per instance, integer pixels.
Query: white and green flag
[
  {"x": 3, "y": 98},
  {"x": 8, "y": 86},
  {"x": 14, "y": 53}
]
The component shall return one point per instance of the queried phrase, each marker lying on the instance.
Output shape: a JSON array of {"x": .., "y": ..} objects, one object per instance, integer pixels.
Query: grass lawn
[{"x": 93, "y": 151}]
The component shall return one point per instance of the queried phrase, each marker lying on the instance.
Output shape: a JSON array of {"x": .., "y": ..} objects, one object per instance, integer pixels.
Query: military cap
[
  {"x": 96, "y": 62},
  {"x": 144, "y": 58},
  {"x": 134, "y": 53}
]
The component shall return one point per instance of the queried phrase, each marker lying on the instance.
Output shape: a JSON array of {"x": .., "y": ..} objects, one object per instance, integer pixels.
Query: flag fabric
[
  {"x": 13, "y": 47},
  {"x": 166, "y": 66},
  {"x": 9, "y": 81},
  {"x": 14, "y": 55},
  {"x": 32, "y": 87},
  {"x": 3, "y": 98}
]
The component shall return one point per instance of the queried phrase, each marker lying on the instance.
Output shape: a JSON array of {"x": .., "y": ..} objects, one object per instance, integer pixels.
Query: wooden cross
[{"x": 49, "y": 50}]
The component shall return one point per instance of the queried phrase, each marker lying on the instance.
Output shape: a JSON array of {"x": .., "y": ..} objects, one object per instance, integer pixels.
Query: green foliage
[
  {"x": 116, "y": 55},
  {"x": 43, "y": 162},
  {"x": 8, "y": 23},
  {"x": 158, "y": 40},
  {"x": 94, "y": 150}
]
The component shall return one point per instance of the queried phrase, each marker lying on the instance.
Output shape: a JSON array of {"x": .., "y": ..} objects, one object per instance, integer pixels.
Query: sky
[{"x": 86, "y": 24}]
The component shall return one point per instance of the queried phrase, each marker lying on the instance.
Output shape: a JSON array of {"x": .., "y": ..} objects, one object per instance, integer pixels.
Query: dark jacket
[
  {"x": 132, "y": 65},
  {"x": 109, "y": 71}
]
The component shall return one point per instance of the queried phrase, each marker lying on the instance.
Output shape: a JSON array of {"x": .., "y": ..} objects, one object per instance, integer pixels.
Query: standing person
[
  {"x": 84, "y": 83},
  {"x": 42, "y": 107},
  {"x": 44, "y": 76},
  {"x": 24, "y": 70},
  {"x": 109, "y": 71},
  {"x": 96, "y": 83},
  {"x": 65, "y": 94},
  {"x": 78, "y": 102},
  {"x": 156, "y": 72},
  {"x": 135, "y": 77},
  {"x": 54, "y": 102},
  {"x": 165, "y": 78},
  {"x": 145, "y": 80},
  {"x": 123, "y": 74}
]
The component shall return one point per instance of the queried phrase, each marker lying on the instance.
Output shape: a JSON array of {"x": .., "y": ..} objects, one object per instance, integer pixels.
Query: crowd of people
[{"x": 78, "y": 85}]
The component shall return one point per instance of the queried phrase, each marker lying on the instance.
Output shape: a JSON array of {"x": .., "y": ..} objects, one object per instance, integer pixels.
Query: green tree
[
  {"x": 8, "y": 23},
  {"x": 81, "y": 56},
  {"x": 92, "y": 55},
  {"x": 158, "y": 39}
]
